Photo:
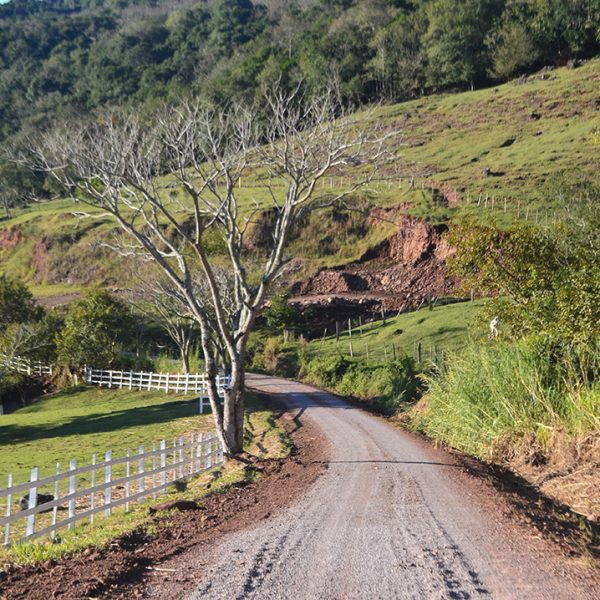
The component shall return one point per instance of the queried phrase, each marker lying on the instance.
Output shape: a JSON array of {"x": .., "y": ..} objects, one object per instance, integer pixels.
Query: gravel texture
[{"x": 386, "y": 520}]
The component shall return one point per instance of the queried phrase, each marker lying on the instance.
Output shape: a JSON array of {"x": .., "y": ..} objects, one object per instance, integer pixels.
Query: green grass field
[
  {"x": 75, "y": 424},
  {"x": 507, "y": 142},
  {"x": 447, "y": 327}
]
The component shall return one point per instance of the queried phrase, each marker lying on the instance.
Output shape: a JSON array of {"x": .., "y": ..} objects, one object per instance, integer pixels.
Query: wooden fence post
[
  {"x": 154, "y": 470},
  {"x": 192, "y": 454},
  {"x": 8, "y": 510},
  {"x": 108, "y": 482},
  {"x": 141, "y": 471},
  {"x": 56, "y": 494},
  {"x": 93, "y": 495},
  {"x": 337, "y": 331},
  {"x": 163, "y": 462},
  {"x": 72, "y": 492},
  {"x": 181, "y": 457},
  {"x": 199, "y": 453},
  {"x": 209, "y": 460},
  {"x": 351, "y": 353},
  {"x": 127, "y": 476},
  {"x": 173, "y": 467},
  {"x": 32, "y": 502},
  {"x": 349, "y": 327}
]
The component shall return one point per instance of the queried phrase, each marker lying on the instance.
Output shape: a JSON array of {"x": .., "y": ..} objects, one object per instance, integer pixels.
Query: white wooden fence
[
  {"x": 191, "y": 383},
  {"x": 98, "y": 488},
  {"x": 22, "y": 365}
]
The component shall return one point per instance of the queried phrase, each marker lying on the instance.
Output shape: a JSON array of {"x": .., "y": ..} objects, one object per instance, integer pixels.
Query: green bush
[{"x": 385, "y": 386}]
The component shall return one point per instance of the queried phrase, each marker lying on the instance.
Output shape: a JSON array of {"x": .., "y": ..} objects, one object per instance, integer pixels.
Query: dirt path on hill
[{"x": 389, "y": 517}]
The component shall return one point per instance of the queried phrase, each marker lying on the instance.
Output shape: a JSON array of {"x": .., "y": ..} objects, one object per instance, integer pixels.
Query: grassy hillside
[
  {"x": 446, "y": 327},
  {"x": 510, "y": 143}
]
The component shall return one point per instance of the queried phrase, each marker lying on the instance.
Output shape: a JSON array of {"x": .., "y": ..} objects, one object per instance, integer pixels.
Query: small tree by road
[{"x": 174, "y": 181}]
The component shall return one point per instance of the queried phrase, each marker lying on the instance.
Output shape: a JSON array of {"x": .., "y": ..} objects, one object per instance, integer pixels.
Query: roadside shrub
[{"x": 387, "y": 387}]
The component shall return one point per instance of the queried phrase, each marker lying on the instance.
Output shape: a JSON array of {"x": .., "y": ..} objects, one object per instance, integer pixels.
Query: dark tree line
[{"x": 65, "y": 57}]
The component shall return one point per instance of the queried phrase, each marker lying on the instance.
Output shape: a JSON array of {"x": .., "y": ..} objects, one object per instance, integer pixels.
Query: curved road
[{"x": 388, "y": 519}]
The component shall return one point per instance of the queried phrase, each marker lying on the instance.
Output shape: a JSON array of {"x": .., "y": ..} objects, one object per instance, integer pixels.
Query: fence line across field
[
  {"x": 190, "y": 383},
  {"x": 146, "y": 474},
  {"x": 27, "y": 367}
]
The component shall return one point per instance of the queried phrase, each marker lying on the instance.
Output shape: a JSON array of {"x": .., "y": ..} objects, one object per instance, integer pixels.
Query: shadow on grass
[{"x": 102, "y": 422}]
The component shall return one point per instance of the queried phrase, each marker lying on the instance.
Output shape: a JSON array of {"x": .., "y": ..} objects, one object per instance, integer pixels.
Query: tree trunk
[
  {"x": 233, "y": 413},
  {"x": 185, "y": 359}
]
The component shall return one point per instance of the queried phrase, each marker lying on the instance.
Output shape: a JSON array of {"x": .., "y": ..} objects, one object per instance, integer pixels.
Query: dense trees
[
  {"x": 67, "y": 57},
  {"x": 95, "y": 329}
]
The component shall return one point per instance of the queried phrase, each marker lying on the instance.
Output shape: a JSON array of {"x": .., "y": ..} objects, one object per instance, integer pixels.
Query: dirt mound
[
  {"x": 400, "y": 272},
  {"x": 10, "y": 238}
]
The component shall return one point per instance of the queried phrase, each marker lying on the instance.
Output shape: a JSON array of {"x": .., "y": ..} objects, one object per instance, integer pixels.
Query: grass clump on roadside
[{"x": 386, "y": 387}]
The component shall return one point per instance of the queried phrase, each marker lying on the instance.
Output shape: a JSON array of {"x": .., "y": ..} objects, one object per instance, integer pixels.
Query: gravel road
[{"x": 388, "y": 519}]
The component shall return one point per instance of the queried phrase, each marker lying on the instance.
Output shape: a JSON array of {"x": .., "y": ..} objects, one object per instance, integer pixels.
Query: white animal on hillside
[{"x": 494, "y": 327}]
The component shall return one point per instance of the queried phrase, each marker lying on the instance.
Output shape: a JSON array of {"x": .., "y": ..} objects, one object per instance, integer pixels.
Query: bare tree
[
  {"x": 176, "y": 181},
  {"x": 161, "y": 301}
]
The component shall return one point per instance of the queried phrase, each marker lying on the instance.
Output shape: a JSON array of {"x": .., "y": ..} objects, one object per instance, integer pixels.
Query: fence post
[
  {"x": 349, "y": 327},
  {"x": 56, "y": 492},
  {"x": 110, "y": 374},
  {"x": 167, "y": 383},
  {"x": 351, "y": 352},
  {"x": 163, "y": 462},
  {"x": 93, "y": 495},
  {"x": 181, "y": 457},
  {"x": 173, "y": 466},
  {"x": 8, "y": 510},
  {"x": 192, "y": 454},
  {"x": 32, "y": 502},
  {"x": 127, "y": 476},
  {"x": 108, "y": 482},
  {"x": 208, "y": 462},
  {"x": 130, "y": 379},
  {"x": 141, "y": 481},
  {"x": 154, "y": 471},
  {"x": 199, "y": 454},
  {"x": 72, "y": 492}
]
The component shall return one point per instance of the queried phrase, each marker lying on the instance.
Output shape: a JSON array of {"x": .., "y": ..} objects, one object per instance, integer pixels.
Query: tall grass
[{"x": 492, "y": 397}]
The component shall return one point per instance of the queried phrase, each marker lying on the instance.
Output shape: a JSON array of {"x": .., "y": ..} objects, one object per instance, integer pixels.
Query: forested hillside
[{"x": 59, "y": 58}]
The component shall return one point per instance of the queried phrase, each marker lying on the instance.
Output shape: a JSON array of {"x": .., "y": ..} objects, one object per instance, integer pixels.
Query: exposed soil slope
[{"x": 400, "y": 272}]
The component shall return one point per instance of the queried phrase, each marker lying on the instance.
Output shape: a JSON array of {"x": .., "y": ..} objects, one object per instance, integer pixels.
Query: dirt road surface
[{"x": 390, "y": 518}]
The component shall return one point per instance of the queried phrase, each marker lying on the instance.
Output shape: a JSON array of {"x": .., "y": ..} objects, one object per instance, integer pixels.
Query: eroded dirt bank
[{"x": 399, "y": 273}]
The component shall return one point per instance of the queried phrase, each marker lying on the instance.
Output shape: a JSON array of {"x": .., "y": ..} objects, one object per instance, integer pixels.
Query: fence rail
[
  {"x": 22, "y": 365},
  {"x": 192, "y": 383},
  {"x": 99, "y": 487}
]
